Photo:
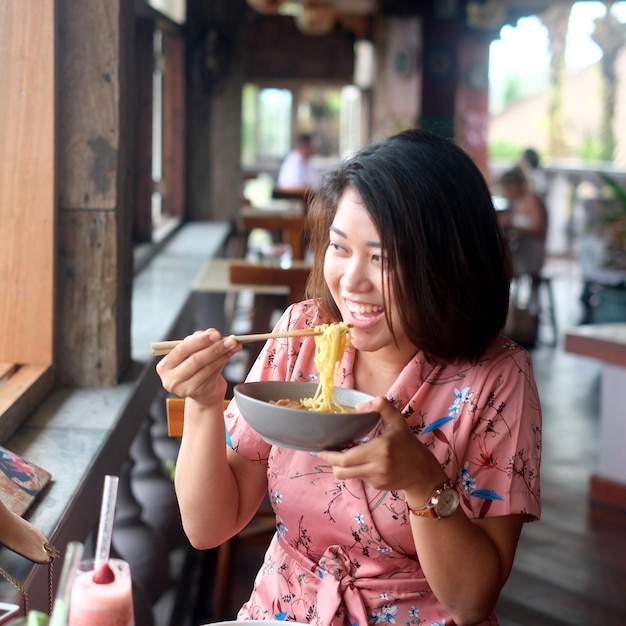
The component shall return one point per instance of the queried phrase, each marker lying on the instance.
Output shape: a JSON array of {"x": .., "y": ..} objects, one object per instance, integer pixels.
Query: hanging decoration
[
  {"x": 315, "y": 18},
  {"x": 486, "y": 15},
  {"x": 312, "y": 17},
  {"x": 269, "y": 7}
]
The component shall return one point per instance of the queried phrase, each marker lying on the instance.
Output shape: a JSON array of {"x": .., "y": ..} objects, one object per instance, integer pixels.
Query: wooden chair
[
  {"x": 290, "y": 227},
  {"x": 294, "y": 277},
  {"x": 259, "y": 530},
  {"x": 305, "y": 195},
  {"x": 534, "y": 294}
]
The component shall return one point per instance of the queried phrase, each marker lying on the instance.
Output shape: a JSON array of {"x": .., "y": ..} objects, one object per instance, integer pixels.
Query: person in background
[
  {"x": 297, "y": 173},
  {"x": 535, "y": 175},
  {"x": 525, "y": 223},
  {"x": 419, "y": 522}
]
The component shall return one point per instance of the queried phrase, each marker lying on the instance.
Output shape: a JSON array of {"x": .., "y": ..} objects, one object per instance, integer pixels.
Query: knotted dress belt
[{"x": 338, "y": 587}]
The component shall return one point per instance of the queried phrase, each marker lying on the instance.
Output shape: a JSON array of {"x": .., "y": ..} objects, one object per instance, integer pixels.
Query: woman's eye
[{"x": 332, "y": 245}]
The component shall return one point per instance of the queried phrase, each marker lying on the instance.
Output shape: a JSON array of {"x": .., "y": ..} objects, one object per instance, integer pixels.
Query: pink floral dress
[{"x": 343, "y": 552}]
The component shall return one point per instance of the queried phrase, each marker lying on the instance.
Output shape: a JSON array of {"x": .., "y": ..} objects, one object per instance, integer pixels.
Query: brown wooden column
[
  {"x": 174, "y": 128},
  {"x": 440, "y": 74},
  {"x": 94, "y": 219},
  {"x": 472, "y": 97},
  {"x": 143, "y": 185},
  {"x": 455, "y": 88}
]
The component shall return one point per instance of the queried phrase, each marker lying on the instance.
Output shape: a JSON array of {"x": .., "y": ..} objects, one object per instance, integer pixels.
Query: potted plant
[{"x": 608, "y": 222}]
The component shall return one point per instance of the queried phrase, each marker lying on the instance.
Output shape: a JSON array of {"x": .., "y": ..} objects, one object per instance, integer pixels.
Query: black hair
[
  {"x": 446, "y": 257},
  {"x": 531, "y": 156}
]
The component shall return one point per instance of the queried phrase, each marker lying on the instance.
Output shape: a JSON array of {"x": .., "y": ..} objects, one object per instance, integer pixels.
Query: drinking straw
[
  {"x": 107, "y": 513},
  {"x": 60, "y": 611}
]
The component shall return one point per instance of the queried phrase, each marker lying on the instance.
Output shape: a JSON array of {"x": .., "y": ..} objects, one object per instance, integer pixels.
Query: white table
[{"x": 607, "y": 343}]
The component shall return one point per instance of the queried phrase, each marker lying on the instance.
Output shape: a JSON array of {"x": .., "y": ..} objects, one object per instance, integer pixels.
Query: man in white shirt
[{"x": 297, "y": 171}]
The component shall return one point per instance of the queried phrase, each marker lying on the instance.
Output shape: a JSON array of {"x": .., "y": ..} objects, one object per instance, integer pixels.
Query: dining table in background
[
  {"x": 284, "y": 218},
  {"x": 221, "y": 284}
]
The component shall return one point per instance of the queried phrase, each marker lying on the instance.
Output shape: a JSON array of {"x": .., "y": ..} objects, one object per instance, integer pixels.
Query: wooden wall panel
[
  {"x": 26, "y": 180},
  {"x": 277, "y": 50}
]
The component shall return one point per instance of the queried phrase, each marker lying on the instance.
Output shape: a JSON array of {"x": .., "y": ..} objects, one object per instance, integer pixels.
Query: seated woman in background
[{"x": 525, "y": 223}]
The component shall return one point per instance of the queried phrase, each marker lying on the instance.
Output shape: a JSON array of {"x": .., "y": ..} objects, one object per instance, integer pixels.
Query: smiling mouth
[{"x": 364, "y": 309}]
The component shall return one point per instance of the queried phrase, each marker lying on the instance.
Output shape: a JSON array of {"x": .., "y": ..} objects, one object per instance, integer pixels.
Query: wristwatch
[{"x": 443, "y": 502}]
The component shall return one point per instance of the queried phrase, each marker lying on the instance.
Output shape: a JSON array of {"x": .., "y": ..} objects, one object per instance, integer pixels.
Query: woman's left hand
[{"x": 394, "y": 460}]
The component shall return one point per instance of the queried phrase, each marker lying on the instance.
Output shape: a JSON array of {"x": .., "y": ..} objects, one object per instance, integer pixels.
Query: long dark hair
[{"x": 446, "y": 257}]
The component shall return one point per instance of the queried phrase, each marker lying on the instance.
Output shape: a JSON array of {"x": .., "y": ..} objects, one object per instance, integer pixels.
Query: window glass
[
  {"x": 271, "y": 117},
  {"x": 274, "y": 128},
  {"x": 176, "y": 10}
]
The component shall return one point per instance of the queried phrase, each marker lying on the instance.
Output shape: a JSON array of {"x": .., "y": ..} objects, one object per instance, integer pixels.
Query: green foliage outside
[
  {"x": 591, "y": 149},
  {"x": 505, "y": 149},
  {"x": 248, "y": 120}
]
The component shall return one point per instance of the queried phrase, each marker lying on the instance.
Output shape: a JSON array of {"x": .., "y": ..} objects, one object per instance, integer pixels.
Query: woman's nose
[{"x": 355, "y": 277}]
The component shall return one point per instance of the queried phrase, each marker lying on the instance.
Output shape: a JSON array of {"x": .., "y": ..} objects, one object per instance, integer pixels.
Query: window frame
[{"x": 27, "y": 208}]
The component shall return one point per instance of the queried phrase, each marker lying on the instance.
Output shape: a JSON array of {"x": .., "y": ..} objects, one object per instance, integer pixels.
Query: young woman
[
  {"x": 419, "y": 524},
  {"x": 525, "y": 223}
]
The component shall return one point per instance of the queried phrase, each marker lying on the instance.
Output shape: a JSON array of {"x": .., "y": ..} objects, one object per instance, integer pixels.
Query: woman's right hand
[{"x": 193, "y": 369}]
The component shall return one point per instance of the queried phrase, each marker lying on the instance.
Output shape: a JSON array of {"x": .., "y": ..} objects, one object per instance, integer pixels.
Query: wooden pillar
[
  {"x": 143, "y": 185},
  {"x": 472, "y": 98},
  {"x": 455, "y": 88},
  {"x": 440, "y": 74},
  {"x": 94, "y": 219},
  {"x": 174, "y": 128},
  {"x": 215, "y": 68}
]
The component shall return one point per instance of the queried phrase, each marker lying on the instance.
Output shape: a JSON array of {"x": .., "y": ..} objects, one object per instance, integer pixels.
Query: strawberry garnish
[{"x": 103, "y": 575}]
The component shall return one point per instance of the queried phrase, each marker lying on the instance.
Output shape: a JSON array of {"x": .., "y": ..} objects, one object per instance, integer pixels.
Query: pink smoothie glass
[{"x": 102, "y": 604}]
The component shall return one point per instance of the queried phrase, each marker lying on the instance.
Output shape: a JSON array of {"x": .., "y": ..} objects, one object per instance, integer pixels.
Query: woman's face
[{"x": 353, "y": 269}]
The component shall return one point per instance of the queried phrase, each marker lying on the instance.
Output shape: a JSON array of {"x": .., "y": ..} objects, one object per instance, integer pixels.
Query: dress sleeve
[
  {"x": 499, "y": 465},
  {"x": 483, "y": 423}
]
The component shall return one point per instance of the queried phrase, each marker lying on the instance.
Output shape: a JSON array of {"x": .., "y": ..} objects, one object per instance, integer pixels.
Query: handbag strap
[
  {"x": 20, "y": 536},
  {"x": 24, "y": 592}
]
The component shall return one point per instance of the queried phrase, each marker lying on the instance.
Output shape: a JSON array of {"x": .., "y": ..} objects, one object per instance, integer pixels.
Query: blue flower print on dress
[
  {"x": 469, "y": 486},
  {"x": 467, "y": 481},
  {"x": 386, "y": 615},
  {"x": 461, "y": 396}
]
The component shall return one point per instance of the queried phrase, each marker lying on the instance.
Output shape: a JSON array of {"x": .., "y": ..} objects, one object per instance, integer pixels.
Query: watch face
[{"x": 447, "y": 503}]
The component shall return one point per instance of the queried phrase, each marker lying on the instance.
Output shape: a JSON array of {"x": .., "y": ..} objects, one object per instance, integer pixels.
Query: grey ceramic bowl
[{"x": 297, "y": 428}]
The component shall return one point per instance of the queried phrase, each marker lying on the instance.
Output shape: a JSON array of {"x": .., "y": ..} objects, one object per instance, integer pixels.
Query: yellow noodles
[{"x": 329, "y": 348}]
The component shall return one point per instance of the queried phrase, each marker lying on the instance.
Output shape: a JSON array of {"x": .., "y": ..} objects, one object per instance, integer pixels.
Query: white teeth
[{"x": 366, "y": 308}]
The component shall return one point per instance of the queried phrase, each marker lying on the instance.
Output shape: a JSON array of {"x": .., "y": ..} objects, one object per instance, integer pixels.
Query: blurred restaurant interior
[{"x": 141, "y": 141}]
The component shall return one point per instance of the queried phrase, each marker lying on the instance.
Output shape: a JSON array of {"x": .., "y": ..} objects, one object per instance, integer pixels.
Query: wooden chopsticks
[{"x": 161, "y": 348}]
